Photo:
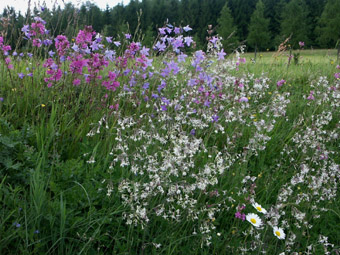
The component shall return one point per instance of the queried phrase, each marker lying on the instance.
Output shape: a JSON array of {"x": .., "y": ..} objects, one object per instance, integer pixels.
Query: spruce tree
[
  {"x": 259, "y": 35},
  {"x": 295, "y": 22},
  {"x": 329, "y": 25},
  {"x": 227, "y": 29}
]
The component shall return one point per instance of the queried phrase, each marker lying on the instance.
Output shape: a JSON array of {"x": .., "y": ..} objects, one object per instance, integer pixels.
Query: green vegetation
[{"x": 316, "y": 22}]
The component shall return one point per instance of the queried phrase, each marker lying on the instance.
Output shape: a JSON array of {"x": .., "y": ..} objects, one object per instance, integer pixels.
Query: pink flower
[
  {"x": 36, "y": 42},
  {"x": 84, "y": 37},
  {"x": 240, "y": 215},
  {"x": 4, "y": 48},
  {"x": 301, "y": 44},
  {"x": 243, "y": 99},
  {"x": 280, "y": 83},
  {"x": 311, "y": 97},
  {"x": 62, "y": 44},
  {"x": 242, "y": 60},
  {"x": 76, "y": 82}
]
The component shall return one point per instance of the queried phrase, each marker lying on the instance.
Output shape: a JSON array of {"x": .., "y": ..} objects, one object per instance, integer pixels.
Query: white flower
[
  {"x": 278, "y": 232},
  {"x": 259, "y": 208},
  {"x": 254, "y": 219}
]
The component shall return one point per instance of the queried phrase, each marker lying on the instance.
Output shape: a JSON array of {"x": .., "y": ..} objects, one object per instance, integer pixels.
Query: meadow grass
[{"x": 79, "y": 176}]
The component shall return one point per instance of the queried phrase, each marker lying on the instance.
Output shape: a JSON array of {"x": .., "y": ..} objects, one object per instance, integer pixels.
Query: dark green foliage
[
  {"x": 227, "y": 29},
  {"x": 285, "y": 16},
  {"x": 295, "y": 22},
  {"x": 259, "y": 35},
  {"x": 329, "y": 24},
  {"x": 241, "y": 11},
  {"x": 17, "y": 155}
]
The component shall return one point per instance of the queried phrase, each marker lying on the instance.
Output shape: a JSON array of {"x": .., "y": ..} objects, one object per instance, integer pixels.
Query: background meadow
[{"x": 108, "y": 146}]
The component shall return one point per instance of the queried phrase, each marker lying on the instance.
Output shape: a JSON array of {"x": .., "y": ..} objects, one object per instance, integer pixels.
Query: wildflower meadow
[{"x": 111, "y": 147}]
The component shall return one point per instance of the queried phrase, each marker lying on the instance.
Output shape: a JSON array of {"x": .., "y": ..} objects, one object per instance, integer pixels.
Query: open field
[
  {"x": 311, "y": 64},
  {"x": 123, "y": 152}
]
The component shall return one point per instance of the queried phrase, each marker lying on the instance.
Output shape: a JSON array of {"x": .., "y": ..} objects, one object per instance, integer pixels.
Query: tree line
[{"x": 260, "y": 24}]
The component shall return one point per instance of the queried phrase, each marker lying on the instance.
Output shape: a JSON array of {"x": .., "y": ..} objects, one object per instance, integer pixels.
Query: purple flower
[
  {"x": 240, "y": 215},
  {"x": 30, "y": 55},
  {"x": 76, "y": 82},
  {"x": 221, "y": 54},
  {"x": 162, "y": 30},
  {"x": 21, "y": 75},
  {"x": 311, "y": 96},
  {"x": 187, "y": 28},
  {"x": 144, "y": 51},
  {"x": 18, "y": 225},
  {"x": 182, "y": 57},
  {"x": 160, "y": 46},
  {"x": 75, "y": 47},
  {"x": 207, "y": 103},
  {"x": 98, "y": 38},
  {"x": 94, "y": 46},
  {"x": 117, "y": 43},
  {"x": 214, "y": 40},
  {"x": 243, "y": 99},
  {"x": 280, "y": 83},
  {"x": 36, "y": 231},
  {"x": 188, "y": 40},
  {"x": 165, "y": 100},
  {"x": 215, "y": 118},
  {"x": 1, "y": 99},
  {"x": 51, "y": 53},
  {"x": 199, "y": 55},
  {"x": 301, "y": 44},
  {"x": 163, "y": 108},
  {"x": 109, "y": 54},
  {"x": 192, "y": 132},
  {"x": 109, "y": 39},
  {"x": 26, "y": 30},
  {"x": 47, "y": 42},
  {"x": 177, "y": 30},
  {"x": 337, "y": 75},
  {"x": 127, "y": 36},
  {"x": 192, "y": 82}
]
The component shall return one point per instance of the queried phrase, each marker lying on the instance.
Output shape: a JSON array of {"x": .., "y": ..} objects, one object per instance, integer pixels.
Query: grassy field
[
  {"x": 207, "y": 156},
  {"x": 311, "y": 63}
]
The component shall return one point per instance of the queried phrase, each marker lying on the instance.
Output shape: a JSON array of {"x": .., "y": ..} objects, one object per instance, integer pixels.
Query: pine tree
[
  {"x": 329, "y": 25},
  {"x": 241, "y": 11},
  {"x": 259, "y": 35},
  {"x": 227, "y": 29},
  {"x": 315, "y": 8},
  {"x": 295, "y": 22}
]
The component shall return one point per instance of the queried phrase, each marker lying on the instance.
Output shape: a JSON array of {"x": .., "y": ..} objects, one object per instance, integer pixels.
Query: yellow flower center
[
  {"x": 278, "y": 233},
  {"x": 253, "y": 221},
  {"x": 259, "y": 208}
]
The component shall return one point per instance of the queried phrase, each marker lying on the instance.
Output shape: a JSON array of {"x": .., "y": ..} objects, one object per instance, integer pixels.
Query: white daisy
[
  {"x": 278, "y": 232},
  {"x": 259, "y": 208},
  {"x": 254, "y": 219}
]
